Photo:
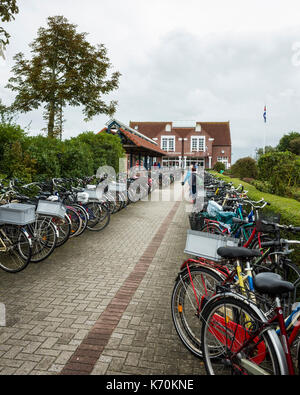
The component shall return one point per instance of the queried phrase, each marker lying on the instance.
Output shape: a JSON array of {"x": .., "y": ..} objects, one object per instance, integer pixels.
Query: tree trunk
[{"x": 51, "y": 118}]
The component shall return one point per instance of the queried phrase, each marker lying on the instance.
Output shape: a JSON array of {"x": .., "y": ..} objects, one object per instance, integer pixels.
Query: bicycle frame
[{"x": 221, "y": 325}]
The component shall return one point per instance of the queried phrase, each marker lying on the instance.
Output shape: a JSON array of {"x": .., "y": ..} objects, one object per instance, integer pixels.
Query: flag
[{"x": 265, "y": 114}]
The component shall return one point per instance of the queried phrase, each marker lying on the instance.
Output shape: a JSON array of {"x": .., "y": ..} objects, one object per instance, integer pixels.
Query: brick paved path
[{"x": 104, "y": 308}]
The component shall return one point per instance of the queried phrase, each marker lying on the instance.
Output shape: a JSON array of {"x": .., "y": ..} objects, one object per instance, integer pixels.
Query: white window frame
[
  {"x": 168, "y": 127},
  {"x": 198, "y": 138},
  {"x": 168, "y": 138},
  {"x": 223, "y": 159}
]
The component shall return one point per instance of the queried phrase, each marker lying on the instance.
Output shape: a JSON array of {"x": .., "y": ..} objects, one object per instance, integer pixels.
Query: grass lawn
[{"x": 288, "y": 208}]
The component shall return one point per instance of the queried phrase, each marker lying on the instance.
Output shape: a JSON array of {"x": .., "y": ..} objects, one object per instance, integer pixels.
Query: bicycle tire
[
  {"x": 184, "y": 307},
  {"x": 84, "y": 217},
  {"x": 99, "y": 216},
  {"x": 64, "y": 230},
  {"x": 44, "y": 237},
  {"x": 227, "y": 323},
  {"x": 18, "y": 256},
  {"x": 76, "y": 221}
]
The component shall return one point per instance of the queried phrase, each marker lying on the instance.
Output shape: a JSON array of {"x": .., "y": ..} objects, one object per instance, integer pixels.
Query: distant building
[
  {"x": 200, "y": 143},
  {"x": 140, "y": 150}
]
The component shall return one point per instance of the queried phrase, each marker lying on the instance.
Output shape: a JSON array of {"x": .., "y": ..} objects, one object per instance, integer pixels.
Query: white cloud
[{"x": 209, "y": 61}]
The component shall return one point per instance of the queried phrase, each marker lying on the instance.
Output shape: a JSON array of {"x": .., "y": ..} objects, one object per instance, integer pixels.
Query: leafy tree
[
  {"x": 261, "y": 151},
  {"x": 65, "y": 69},
  {"x": 219, "y": 166},
  {"x": 47, "y": 154},
  {"x": 245, "y": 168},
  {"x": 16, "y": 163},
  {"x": 106, "y": 149},
  {"x": 7, "y": 114},
  {"x": 281, "y": 170},
  {"x": 285, "y": 141},
  {"x": 8, "y": 8},
  {"x": 8, "y": 135},
  {"x": 76, "y": 159},
  {"x": 295, "y": 146}
]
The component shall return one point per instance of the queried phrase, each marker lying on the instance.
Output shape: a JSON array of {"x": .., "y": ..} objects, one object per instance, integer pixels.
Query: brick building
[
  {"x": 202, "y": 143},
  {"x": 140, "y": 150}
]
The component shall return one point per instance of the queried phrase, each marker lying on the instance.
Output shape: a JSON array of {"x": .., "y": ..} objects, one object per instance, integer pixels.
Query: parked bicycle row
[
  {"x": 37, "y": 218},
  {"x": 235, "y": 304}
]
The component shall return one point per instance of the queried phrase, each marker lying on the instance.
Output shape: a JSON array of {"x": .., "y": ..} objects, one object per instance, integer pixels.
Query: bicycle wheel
[
  {"x": 84, "y": 218},
  {"x": 232, "y": 342},
  {"x": 44, "y": 235},
  {"x": 76, "y": 221},
  {"x": 64, "y": 230},
  {"x": 15, "y": 249},
  {"x": 191, "y": 291},
  {"x": 99, "y": 216}
]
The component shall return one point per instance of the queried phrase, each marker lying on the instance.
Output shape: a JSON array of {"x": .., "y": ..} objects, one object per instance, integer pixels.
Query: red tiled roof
[
  {"x": 220, "y": 131},
  {"x": 140, "y": 142}
]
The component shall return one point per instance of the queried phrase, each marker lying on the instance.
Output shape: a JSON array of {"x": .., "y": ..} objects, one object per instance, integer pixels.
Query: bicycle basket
[
  {"x": 197, "y": 220},
  {"x": 17, "y": 214},
  {"x": 270, "y": 220},
  {"x": 82, "y": 197},
  {"x": 117, "y": 187},
  {"x": 205, "y": 245},
  {"x": 94, "y": 194},
  {"x": 51, "y": 209}
]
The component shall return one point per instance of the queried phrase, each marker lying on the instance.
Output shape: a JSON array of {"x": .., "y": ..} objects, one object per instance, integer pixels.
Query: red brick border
[{"x": 89, "y": 351}]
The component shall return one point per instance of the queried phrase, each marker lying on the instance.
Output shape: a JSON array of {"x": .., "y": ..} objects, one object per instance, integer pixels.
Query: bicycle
[{"x": 237, "y": 337}]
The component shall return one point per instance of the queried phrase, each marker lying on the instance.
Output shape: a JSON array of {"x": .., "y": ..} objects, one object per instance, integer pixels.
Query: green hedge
[
  {"x": 288, "y": 208},
  {"x": 35, "y": 158}
]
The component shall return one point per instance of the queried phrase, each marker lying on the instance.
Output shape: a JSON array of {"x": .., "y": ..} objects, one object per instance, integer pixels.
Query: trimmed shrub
[
  {"x": 219, "y": 166},
  {"x": 281, "y": 170},
  {"x": 245, "y": 168}
]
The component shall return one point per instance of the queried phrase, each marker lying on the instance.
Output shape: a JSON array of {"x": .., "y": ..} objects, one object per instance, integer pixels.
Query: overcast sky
[{"x": 183, "y": 60}]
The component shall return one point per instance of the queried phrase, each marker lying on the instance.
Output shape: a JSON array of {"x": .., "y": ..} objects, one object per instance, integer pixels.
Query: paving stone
[{"x": 127, "y": 274}]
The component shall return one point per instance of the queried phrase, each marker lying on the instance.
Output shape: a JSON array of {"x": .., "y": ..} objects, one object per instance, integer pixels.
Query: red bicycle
[{"x": 238, "y": 337}]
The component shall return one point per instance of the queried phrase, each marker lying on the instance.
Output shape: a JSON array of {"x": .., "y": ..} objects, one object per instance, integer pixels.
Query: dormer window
[
  {"x": 168, "y": 128},
  {"x": 136, "y": 127},
  {"x": 198, "y": 127}
]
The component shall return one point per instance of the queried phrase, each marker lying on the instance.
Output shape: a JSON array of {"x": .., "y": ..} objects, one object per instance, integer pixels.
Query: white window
[
  {"x": 168, "y": 128},
  {"x": 223, "y": 159},
  {"x": 197, "y": 144},
  {"x": 198, "y": 127},
  {"x": 168, "y": 143}
]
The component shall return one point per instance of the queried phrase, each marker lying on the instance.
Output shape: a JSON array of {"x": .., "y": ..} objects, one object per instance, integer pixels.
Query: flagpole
[{"x": 265, "y": 118}]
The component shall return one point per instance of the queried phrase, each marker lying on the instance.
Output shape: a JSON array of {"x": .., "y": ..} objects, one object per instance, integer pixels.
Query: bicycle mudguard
[
  {"x": 218, "y": 269},
  {"x": 272, "y": 333},
  {"x": 233, "y": 335},
  {"x": 27, "y": 236}
]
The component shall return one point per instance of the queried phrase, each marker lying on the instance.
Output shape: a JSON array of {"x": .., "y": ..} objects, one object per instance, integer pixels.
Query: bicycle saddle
[
  {"x": 272, "y": 284},
  {"x": 237, "y": 252}
]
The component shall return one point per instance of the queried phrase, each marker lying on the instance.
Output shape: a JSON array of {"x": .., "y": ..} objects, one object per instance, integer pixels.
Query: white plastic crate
[
  {"x": 17, "y": 214},
  {"x": 51, "y": 209},
  {"x": 94, "y": 195},
  {"x": 82, "y": 197},
  {"x": 117, "y": 187},
  {"x": 205, "y": 245}
]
